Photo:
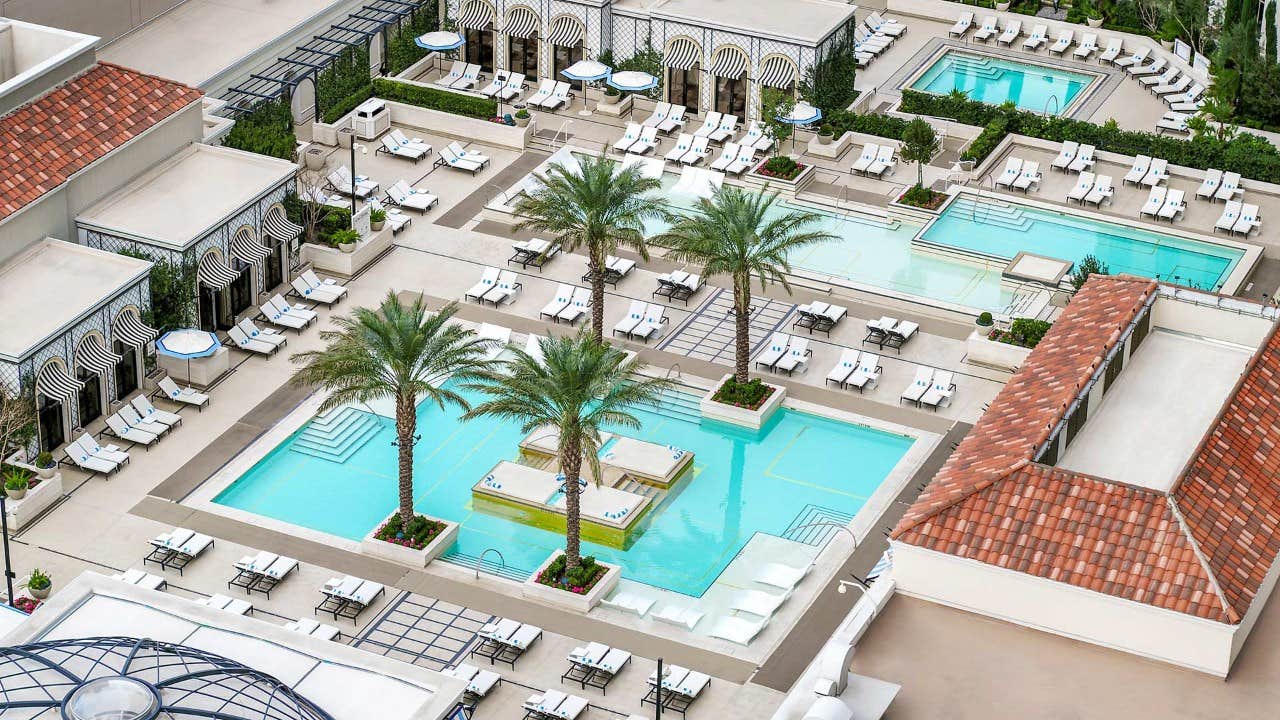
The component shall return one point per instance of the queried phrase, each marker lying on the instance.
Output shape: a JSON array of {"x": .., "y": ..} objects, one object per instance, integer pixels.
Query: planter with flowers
[
  {"x": 579, "y": 590},
  {"x": 782, "y": 173},
  {"x": 421, "y": 542},
  {"x": 750, "y": 404}
]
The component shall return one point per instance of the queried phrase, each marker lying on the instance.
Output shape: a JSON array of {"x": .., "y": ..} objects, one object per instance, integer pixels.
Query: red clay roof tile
[{"x": 56, "y": 135}]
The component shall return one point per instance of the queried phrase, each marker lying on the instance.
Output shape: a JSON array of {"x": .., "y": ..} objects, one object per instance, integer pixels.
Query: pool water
[
  {"x": 743, "y": 482},
  {"x": 993, "y": 80},
  {"x": 1003, "y": 229}
]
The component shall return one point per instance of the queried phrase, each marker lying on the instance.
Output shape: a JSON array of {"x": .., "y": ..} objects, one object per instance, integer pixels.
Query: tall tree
[
  {"x": 744, "y": 235},
  {"x": 919, "y": 144},
  {"x": 579, "y": 387},
  {"x": 398, "y": 352},
  {"x": 596, "y": 207}
]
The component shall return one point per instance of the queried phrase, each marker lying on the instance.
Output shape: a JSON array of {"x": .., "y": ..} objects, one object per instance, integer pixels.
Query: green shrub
[
  {"x": 433, "y": 99},
  {"x": 781, "y": 167},
  {"x": 922, "y": 197},
  {"x": 345, "y": 78},
  {"x": 38, "y": 580},
  {"x": 401, "y": 50},
  {"x": 1088, "y": 265},
  {"x": 16, "y": 480},
  {"x": 344, "y": 237},
  {"x": 986, "y": 141},
  {"x": 377, "y": 216},
  {"x": 579, "y": 581},
  {"x": 419, "y": 534},
  {"x": 347, "y": 104},
  {"x": 1025, "y": 332},
  {"x": 986, "y": 320},
  {"x": 265, "y": 130},
  {"x": 750, "y": 395},
  {"x": 44, "y": 460}
]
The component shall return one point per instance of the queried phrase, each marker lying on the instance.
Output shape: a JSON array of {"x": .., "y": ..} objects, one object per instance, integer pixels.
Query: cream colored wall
[
  {"x": 1064, "y": 609},
  {"x": 45, "y": 218},
  {"x": 1209, "y": 322},
  {"x": 108, "y": 19}
]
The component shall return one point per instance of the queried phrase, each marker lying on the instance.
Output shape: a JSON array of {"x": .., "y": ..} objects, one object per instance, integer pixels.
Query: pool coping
[{"x": 1107, "y": 79}]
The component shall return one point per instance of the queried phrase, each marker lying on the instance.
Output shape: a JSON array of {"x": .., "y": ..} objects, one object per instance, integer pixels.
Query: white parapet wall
[{"x": 1066, "y": 610}]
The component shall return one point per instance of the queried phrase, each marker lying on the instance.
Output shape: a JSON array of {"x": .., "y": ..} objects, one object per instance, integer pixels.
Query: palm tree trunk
[
  {"x": 571, "y": 468},
  {"x": 741, "y": 326},
  {"x": 406, "y": 428},
  {"x": 595, "y": 267}
]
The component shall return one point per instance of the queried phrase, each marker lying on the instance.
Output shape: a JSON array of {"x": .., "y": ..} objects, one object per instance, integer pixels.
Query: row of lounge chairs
[
  {"x": 875, "y": 36},
  {"x": 642, "y": 322},
  {"x": 784, "y": 353},
  {"x": 1239, "y": 217},
  {"x": 495, "y": 286},
  {"x": 1219, "y": 185},
  {"x": 856, "y": 369},
  {"x": 1147, "y": 171},
  {"x": 261, "y": 572},
  {"x": 85, "y": 453},
  {"x": 479, "y": 682},
  {"x": 615, "y": 269},
  {"x": 554, "y": 705},
  {"x": 176, "y": 549},
  {"x": 455, "y": 156},
  {"x": 1020, "y": 174},
  {"x": 461, "y": 76},
  {"x": 875, "y": 160},
  {"x": 397, "y": 144},
  {"x": 569, "y": 304},
  {"x": 819, "y": 316},
  {"x": 504, "y": 86},
  {"x": 347, "y": 597},
  {"x": 535, "y": 252},
  {"x": 505, "y": 641},
  {"x": 1164, "y": 203},
  {"x": 1092, "y": 189},
  {"x": 931, "y": 388},
  {"x": 889, "y": 332},
  {"x": 680, "y": 688},
  {"x": 1074, "y": 157},
  {"x": 678, "y": 285},
  {"x": 595, "y": 665},
  {"x": 141, "y": 423}
]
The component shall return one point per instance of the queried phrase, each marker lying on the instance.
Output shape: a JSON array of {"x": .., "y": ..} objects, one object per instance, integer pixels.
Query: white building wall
[
  {"x": 1210, "y": 322},
  {"x": 1066, "y": 610}
]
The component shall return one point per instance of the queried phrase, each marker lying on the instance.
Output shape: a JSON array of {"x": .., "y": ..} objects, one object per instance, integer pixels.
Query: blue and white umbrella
[
  {"x": 587, "y": 71},
  {"x": 633, "y": 81},
  {"x": 439, "y": 41},
  {"x": 802, "y": 114},
  {"x": 188, "y": 343}
]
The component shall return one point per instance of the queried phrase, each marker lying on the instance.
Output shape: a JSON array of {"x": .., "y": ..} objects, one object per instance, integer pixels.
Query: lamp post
[
  {"x": 8, "y": 565},
  {"x": 657, "y": 698}
]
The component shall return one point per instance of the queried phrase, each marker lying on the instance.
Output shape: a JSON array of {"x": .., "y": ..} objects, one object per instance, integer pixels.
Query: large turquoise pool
[
  {"x": 799, "y": 469},
  {"x": 1004, "y": 229},
  {"x": 994, "y": 80}
]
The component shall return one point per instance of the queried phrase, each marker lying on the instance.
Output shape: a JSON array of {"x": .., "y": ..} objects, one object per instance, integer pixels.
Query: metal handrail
[
  {"x": 675, "y": 367},
  {"x": 480, "y": 559}
]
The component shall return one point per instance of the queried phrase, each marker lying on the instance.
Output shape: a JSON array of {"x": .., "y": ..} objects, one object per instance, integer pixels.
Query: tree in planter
[
  {"x": 741, "y": 234},
  {"x": 578, "y": 388},
  {"x": 1089, "y": 265},
  {"x": 397, "y": 352},
  {"x": 775, "y": 105},
  {"x": 597, "y": 209},
  {"x": 17, "y": 419},
  {"x": 318, "y": 220},
  {"x": 919, "y": 144}
]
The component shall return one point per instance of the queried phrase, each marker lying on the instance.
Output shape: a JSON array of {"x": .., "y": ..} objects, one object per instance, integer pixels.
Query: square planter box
[
  {"x": 754, "y": 419},
  {"x": 406, "y": 556},
  {"x": 334, "y": 261},
  {"x": 34, "y": 502},
  {"x": 556, "y": 597},
  {"x": 1003, "y": 356}
]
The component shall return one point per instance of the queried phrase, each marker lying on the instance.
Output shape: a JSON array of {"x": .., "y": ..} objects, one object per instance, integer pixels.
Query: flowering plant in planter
[
  {"x": 578, "y": 581},
  {"x": 26, "y": 604},
  {"x": 419, "y": 534},
  {"x": 750, "y": 395},
  {"x": 780, "y": 167}
]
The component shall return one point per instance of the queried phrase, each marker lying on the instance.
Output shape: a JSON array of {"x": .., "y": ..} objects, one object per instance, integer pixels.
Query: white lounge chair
[
  {"x": 401, "y": 194},
  {"x": 1066, "y": 154},
  {"x": 122, "y": 430},
  {"x": 941, "y": 391},
  {"x": 559, "y": 97},
  {"x": 844, "y": 367},
  {"x": 884, "y": 161},
  {"x": 307, "y": 626},
  {"x": 709, "y": 125},
  {"x": 725, "y": 130},
  {"x": 1170, "y": 88},
  {"x": 883, "y": 26},
  {"x": 628, "y": 602},
  {"x": 1063, "y": 42},
  {"x": 251, "y": 345},
  {"x": 453, "y": 76},
  {"x": 142, "y": 579},
  {"x": 1012, "y": 168},
  {"x": 988, "y": 29},
  {"x": 1012, "y": 30},
  {"x": 559, "y": 301},
  {"x": 867, "y": 374},
  {"x": 1029, "y": 176},
  {"x": 757, "y": 602},
  {"x": 282, "y": 319},
  {"x": 504, "y": 289},
  {"x": 1158, "y": 172},
  {"x": 1115, "y": 46},
  {"x": 699, "y": 150},
  {"x": 1230, "y": 215},
  {"x": 674, "y": 121},
  {"x": 545, "y": 88},
  {"x": 784, "y": 577},
  {"x": 1162, "y": 79},
  {"x": 1101, "y": 192},
  {"x": 579, "y": 304},
  {"x": 655, "y": 316},
  {"x": 400, "y": 138},
  {"x": 1039, "y": 36},
  {"x": 687, "y": 618},
  {"x": 629, "y": 137},
  {"x": 488, "y": 278},
  {"x": 796, "y": 357},
  {"x": 1155, "y": 67},
  {"x": 340, "y": 181},
  {"x": 681, "y": 148},
  {"x": 1082, "y": 188},
  {"x": 183, "y": 395},
  {"x": 391, "y": 147},
  {"x": 737, "y": 630},
  {"x": 659, "y": 114},
  {"x": 961, "y": 26},
  {"x": 110, "y": 453},
  {"x": 1230, "y": 187},
  {"x": 1083, "y": 160},
  {"x": 1212, "y": 181},
  {"x": 634, "y": 316},
  {"x": 235, "y": 606},
  {"x": 1141, "y": 166},
  {"x": 1248, "y": 222},
  {"x": 79, "y": 455},
  {"x": 145, "y": 409},
  {"x": 1136, "y": 58},
  {"x": 1088, "y": 46},
  {"x": 1155, "y": 201},
  {"x": 867, "y": 157},
  {"x": 918, "y": 387},
  {"x": 153, "y": 424},
  {"x": 773, "y": 351},
  {"x": 512, "y": 88},
  {"x": 495, "y": 86},
  {"x": 319, "y": 294},
  {"x": 728, "y": 154},
  {"x": 470, "y": 76},
  {"x": 647, "y": 141},
  {"x": 295, "y": 310},
  {"x": 1173, "y": 122},
  {"x": 756, "y": 137},
  {"x": 744, "y": 161},
  {"x": 458, "y": 159},
  {"x": 1174, "y": 205}
]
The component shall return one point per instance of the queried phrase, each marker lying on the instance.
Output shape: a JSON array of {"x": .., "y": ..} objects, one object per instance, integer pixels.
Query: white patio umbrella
[
  {"x": 802, "y": 114},
  {"x": 188, "y": 343},
  {"x": 439, "y": 41},
  {"x": 633, "y": 81},
  {"x": 587, "y": 71}
]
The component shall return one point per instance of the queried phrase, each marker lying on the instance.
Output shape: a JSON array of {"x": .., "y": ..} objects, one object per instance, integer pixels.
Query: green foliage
[
  {"x": 416, "y": 535},
  {"x": 16, "y": 479},
  {"x": 522, "y": 113},
  {"x": 828, "y": 83},
  {"x": 345, "y": 79},
  {"x": 781, "y": 167},
  {"x": 986, "y": 320},
  {"x": 328, "y": 219},
  {"x": 173, "y": 291},
  {"x": 1089, "y": 265},
  {"x": 344, "y": 237},
  {"x": 431, "y": 98},
  {"x": 646, "y": 59},
  {"x": 1025, "y": 332},
  {"x": 1273, "y": 52},
  {"x": 377, "y": 216},
  {"x": 401, "y": 51},
  {"x": 44, "y": 460},
  {"x": 578, "y": 580},
  {"x": 776, "y": 104},
  {"x": 919, "y": 144},
  {"x": 265, "y": 130},
  {"x": 920, "y": 196},
  {"x": 842, "y": 121},
  {"x": 347, "y": 104},
  {"x": 1250, "y": 155},
  {"x": 750, "y": 394},
  {"x": 38, "y": 580}
]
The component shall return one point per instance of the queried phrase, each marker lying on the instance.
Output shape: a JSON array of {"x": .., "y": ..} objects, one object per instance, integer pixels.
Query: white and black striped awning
[
  {"x": 777, "y": 72},
  {"x": 476, "y": 15},
  {"x": 130, "y": 330},
  {"x": 729, "y": 62},
  {"x": 245, "y": 246},
  {"x": 566, "y": 31},
  {"x": 683, "y": 54},
  {"x": 521, "y": 22},
  {"x": 92, "y": 356},
  {"x": 53, "y": 382},
  {"x": 215, "y": 273},
  {"x": 278, "y": 226}
]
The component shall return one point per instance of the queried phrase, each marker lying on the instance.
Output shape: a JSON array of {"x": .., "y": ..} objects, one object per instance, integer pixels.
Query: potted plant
[
  {"x": 612, "y": 96},
  {"x": 522, "y": 117},
  {"x": 1003, "y": 6},
  {"x": 346, "y": 239},
  {"x": 15, "y": 484},
  {"x": 377, "y": 218},
  {"x": 984, "y": 323},
  {"x": 825, "y": 133},
  {"x": 45, "y": 465},
  {"x": 39, "y": 584},
  {"x": 314, "y": 158}
]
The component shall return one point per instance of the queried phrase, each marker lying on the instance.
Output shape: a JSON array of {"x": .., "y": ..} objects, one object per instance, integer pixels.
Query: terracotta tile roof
[
  {"x": 1202, "y": 549},
  {"x": 49, "y": 139}
]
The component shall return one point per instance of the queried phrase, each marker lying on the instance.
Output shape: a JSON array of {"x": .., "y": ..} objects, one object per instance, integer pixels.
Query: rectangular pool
[
  {"x": 1003, "y": 229},
  {"x": 741, "y": 483},
  {"x": 1038, "y": 88}
]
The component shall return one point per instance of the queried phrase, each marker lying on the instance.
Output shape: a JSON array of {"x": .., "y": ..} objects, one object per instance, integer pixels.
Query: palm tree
[
  {"x": 579, "y": 387},
  {"x": 598, "y": 209},
  {"x": 743, "y": 235},
  {"x": 396, "y": 352}
]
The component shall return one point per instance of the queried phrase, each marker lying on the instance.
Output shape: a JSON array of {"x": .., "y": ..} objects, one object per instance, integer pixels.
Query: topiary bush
[{"x": 433, "y": 99}]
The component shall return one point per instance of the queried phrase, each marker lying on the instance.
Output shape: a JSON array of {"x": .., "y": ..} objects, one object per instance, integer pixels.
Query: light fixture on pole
[{"x": 8, "y": 565}]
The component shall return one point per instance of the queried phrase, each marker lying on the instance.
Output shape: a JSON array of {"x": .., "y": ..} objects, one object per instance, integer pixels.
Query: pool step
[
  {"x": 815, "y": 525},
  {"x": 337, "y": 436},
  {"x": 999, "y": 215},
  {"x": 681, "y": 405},
  {"x": 637, "y": 488},
  {"x": 489, "y": 566}
]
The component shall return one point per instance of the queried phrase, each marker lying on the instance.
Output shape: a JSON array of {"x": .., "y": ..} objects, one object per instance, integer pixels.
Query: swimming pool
[
  {"x": 742, "y": 482},
  {"x": 1004, "y": 229},
  {"x": 994, "y": 80}
]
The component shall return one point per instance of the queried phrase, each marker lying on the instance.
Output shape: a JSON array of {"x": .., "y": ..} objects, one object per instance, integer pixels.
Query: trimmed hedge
[
  {"x": 266, "y": 130},
  {"x": 842, "y": 121},
  {"x": 433, "y": 99},
  {"x": 1250, "y": 155},
  {"x": 347, "y": 104}
]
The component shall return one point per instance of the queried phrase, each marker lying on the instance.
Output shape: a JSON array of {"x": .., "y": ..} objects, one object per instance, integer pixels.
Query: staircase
[
  {"x": 816, "y": 536},
  {"x": 337, "y": 436},
  {"x": 681, "y": 404},
  {"x": 487, "y": 566},
  {"x": 993, "y": 212},
  {"x": 632, "y": 486},
  {"x": 982, "y": 67}
]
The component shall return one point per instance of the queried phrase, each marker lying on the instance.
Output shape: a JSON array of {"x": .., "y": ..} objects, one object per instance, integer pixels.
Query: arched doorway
[
  {"x": 566, "y": 40},
  {"x": 683, "y": 59},
  {"x": 56, "y": 390},
  {"x": 95, "y": 366},
  {"x": 729, "y": 68},
  {"x": 129, "y": 339},
  {"x": 303, "y": 101},
  {"x": 475, "y": 22},
  {"x": 216, "y": 278},
  {"x": 521, "y": 28}
]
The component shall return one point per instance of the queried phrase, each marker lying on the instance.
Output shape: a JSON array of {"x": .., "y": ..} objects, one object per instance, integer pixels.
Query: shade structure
[
  {"x": 188, "y": 343},
  {"x": 54, "y": 382},
  {"x": 129, "y": 329},
  {"x": 439, "y": 41},
  {"x": 633, "y": 80},
  {"x": 92, "y": 356},
  {"x": 802, "y": 114},
  {"x": 521, "y": 22},
  {"x": 565, "y": 31},
  {"x": 213, "y": 272},
  {"x": 246, "y": 246},
  {"x": 778, "y": 72},
  {"x": 277, "y": 225},
  {"x": 587, "y": 70}
]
